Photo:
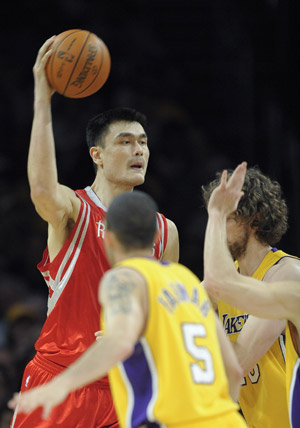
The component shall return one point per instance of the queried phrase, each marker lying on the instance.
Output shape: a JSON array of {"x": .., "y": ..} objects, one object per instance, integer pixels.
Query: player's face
[
  {"x": 125, "y": 155},
  {"x": 238, "y": 233}
]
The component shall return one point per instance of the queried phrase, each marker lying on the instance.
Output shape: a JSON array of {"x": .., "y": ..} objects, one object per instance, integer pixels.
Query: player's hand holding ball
[{"x": 79, "y": 64}]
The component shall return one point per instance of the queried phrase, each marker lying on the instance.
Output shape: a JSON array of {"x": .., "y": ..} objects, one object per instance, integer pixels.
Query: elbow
[
  {"x": 238, "y": 373},
  {"x": 235, "y": 380},
  {"x": 208, "y": 283},
  {"x": 36, "y": 195},
  {"x": 40, "y": 195},
  {"x": 37, "y": 189},
  {"x": 41, "y": 184},
  {"x": 211, "y": 285},
  {"x": 126, "y": 349},
  {"x": 218, "y": 285},
  {"x": 39, "y": 200},
  {"x": 246, "y": 369}
]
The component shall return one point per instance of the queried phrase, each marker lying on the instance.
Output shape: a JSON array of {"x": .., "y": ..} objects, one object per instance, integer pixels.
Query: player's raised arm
[
  {"x": 53, "y": 202},
  {"x": 268, "y": 300},
  {"x": 224, "y": 200}
]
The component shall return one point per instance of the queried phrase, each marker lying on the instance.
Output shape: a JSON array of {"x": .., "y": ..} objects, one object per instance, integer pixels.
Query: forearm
[
  {"x": 231, "y": 364},
  {"x": 245, "y": 359},
  {"x": 255, "y": 339},
  {"x": 93, "y": 364},
  {"x": 234, "y": 386},
  {"x": 42, "y": 170},
  {"x": 218, "y": 263}
]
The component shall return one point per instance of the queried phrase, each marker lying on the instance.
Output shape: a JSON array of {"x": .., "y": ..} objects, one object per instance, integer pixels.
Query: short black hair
[
  {"x": 98, "y": 125},
  {"x": 132, "y": 218}
]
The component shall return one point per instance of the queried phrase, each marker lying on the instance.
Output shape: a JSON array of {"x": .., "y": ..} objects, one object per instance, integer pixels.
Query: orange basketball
[{"x": 79, "y": 65}]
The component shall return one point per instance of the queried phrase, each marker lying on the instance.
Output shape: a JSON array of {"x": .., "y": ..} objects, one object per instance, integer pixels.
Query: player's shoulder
[
  {"x": 171, "y": 252},
  {"x": 128, "y": 273},
  {"x": 172, "y": 228},
  {"x": 287, "y": 268},
  {"x": 120, "y": 278}
]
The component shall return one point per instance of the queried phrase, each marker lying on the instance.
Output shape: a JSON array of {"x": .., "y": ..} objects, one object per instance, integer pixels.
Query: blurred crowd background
[{"x": 219, "y": 83}]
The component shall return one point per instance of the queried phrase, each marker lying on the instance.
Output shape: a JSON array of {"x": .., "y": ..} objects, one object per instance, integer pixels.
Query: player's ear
[
  {"x": 96, "y": 155},
  {"x": 254, "y": 222}
]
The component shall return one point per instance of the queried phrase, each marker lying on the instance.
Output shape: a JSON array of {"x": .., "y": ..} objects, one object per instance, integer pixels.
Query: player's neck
[
  {"x": 107, "y": 191},
  {"x": 255, "y": 253},
  {"x": 120, "y": 255}
]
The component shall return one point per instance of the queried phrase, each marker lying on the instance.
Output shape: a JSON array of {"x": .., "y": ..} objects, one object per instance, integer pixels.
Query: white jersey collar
[{"x": 92, "y": 195}]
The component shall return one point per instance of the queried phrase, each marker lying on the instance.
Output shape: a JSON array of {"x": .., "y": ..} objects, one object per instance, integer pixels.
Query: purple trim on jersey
[
  {"x": 152, "y": 425},
  {"x": 274, "y": 249},
  {"x": 295, "y": 401},
  {"x": 139, "y": 376}
]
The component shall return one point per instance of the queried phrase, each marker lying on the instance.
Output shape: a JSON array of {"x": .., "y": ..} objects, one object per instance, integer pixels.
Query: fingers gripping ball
[{"x": 79, "y": 65}]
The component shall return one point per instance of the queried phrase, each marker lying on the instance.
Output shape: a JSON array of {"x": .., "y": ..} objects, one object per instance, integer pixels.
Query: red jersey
[{"x": 73, "y": 279}]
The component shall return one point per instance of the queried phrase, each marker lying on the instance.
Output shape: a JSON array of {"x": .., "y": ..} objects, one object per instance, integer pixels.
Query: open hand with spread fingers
[
  {"x": 47, "y": 396},
  {"x": 226, "y": 196}
]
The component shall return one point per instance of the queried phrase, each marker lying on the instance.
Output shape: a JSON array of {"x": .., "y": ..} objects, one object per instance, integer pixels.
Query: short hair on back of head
[
  {"x": 132, "y": 218},
  {"x": 98, "y": 125},
  {"x": 262, "y": 205}
]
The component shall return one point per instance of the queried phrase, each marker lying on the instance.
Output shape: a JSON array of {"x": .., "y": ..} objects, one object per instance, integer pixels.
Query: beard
[{"x": 238, "y": 248}]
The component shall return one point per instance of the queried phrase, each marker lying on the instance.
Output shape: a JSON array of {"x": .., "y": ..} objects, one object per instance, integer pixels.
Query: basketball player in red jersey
[{"x": 75, "y": 260}]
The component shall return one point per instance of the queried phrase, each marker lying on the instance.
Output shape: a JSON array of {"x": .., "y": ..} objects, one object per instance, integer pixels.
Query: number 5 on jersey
[{"x": 203, "y": 369}]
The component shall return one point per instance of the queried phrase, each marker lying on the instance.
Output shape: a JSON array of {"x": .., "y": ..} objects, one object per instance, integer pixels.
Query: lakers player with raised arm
[
  {"x": 260, "y": 298},
  {"x": 253, "y": 230}
]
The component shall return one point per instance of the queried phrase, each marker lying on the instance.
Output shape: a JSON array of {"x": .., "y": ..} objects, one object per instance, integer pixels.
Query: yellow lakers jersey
[
  {"x": 263, "y": 393},
  {"x": 293, "y": 376},
  {"x": 175, "y": 377}
]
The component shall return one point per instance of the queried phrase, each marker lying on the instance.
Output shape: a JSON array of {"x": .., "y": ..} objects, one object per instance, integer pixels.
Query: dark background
[{"x": 219, "y": 83}]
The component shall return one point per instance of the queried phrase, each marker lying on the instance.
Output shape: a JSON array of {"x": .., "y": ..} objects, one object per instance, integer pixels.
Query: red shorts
[{"x": 88, "y": 407}]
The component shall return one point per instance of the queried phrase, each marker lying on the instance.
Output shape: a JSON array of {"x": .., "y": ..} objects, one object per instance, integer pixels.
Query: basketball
[{"x": 79, "y": 65}]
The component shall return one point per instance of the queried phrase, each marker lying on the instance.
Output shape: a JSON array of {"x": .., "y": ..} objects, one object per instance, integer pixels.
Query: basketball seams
[
  {"x": 71, "y": 74},
  {"x": 54, "y": 55},
  {"x": 100, "y": 67}
]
